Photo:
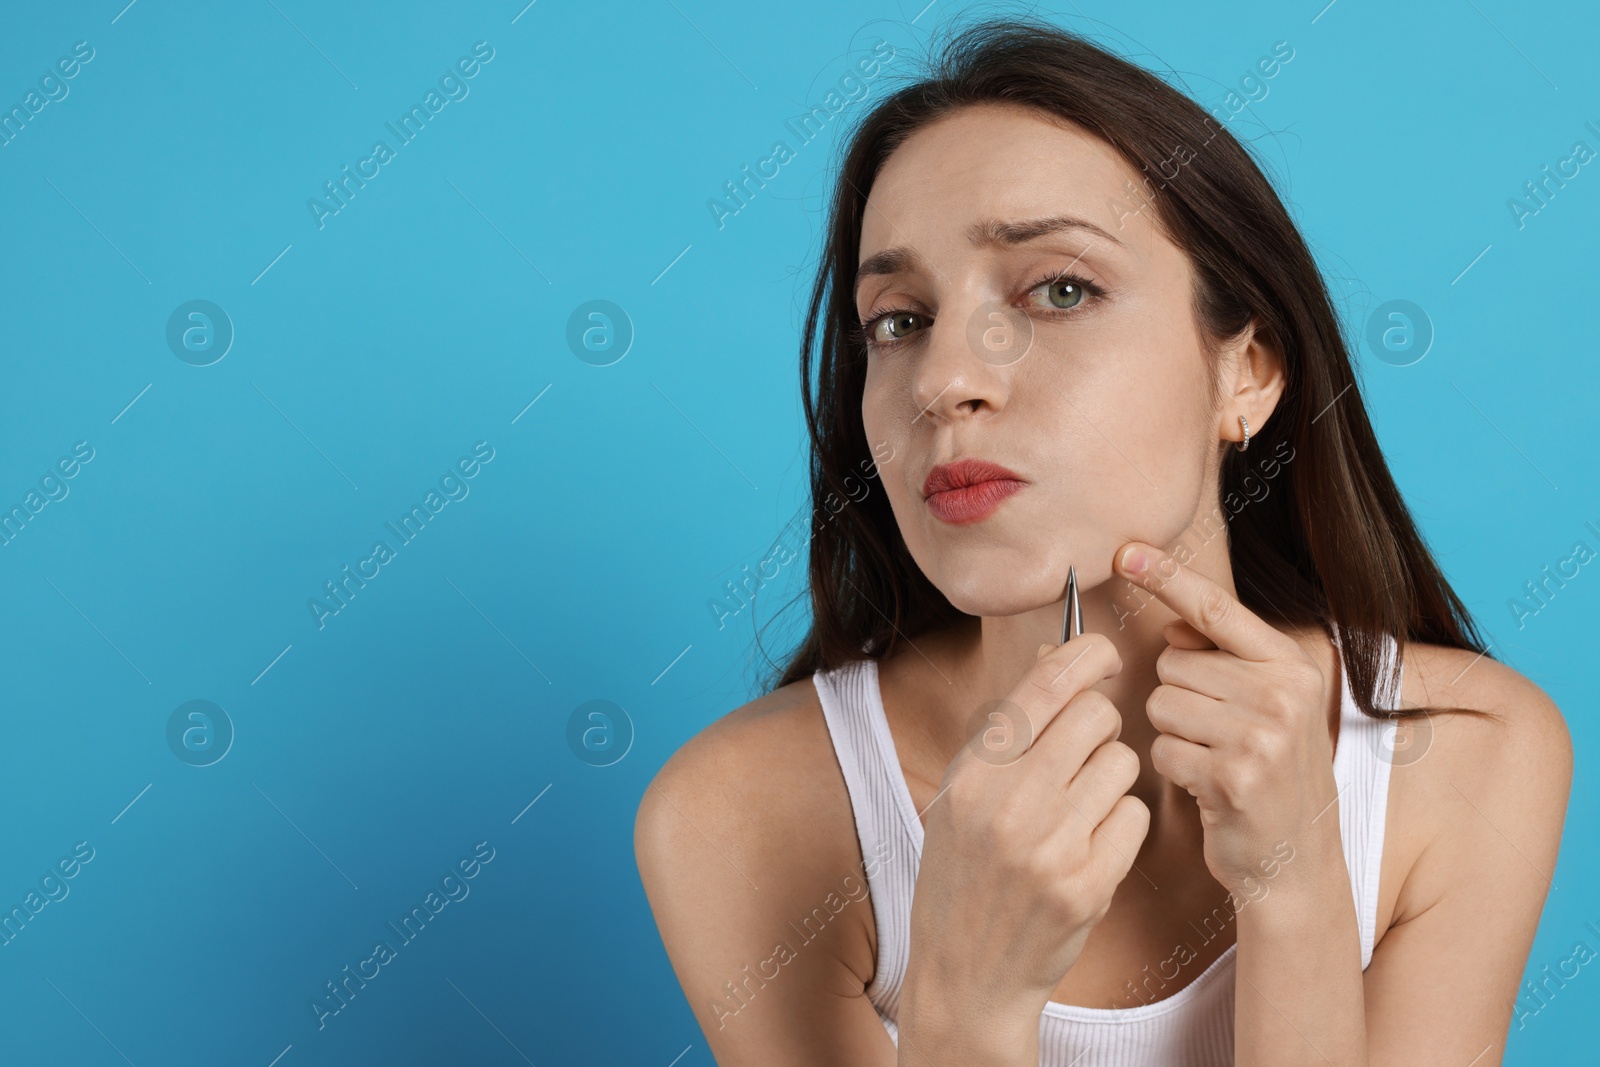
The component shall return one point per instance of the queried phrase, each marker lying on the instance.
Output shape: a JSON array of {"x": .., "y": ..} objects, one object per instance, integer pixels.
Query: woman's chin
[{"x": 1000, "y": 597}]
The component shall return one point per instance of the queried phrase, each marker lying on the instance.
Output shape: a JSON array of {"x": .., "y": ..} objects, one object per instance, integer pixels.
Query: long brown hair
[{"x": 1332, "y": 541}]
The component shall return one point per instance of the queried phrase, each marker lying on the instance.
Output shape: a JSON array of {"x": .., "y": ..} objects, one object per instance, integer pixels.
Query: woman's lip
[
  {"x": 972, "y": 503},
  {"x": 965, "y": 472}
]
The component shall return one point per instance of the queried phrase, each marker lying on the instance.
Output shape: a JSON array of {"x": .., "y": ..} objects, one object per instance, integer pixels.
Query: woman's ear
[{"x": 1253, "y": 379}]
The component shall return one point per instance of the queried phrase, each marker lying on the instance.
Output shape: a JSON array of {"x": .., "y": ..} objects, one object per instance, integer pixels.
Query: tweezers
[{"x": 1071, "y": 615}]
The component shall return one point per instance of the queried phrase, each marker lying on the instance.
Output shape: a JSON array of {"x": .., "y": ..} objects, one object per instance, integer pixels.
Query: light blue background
[{"x": 372, "y": 754}]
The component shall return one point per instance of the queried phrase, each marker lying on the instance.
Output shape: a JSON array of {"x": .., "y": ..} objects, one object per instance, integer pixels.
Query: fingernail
[
  {"x": 1134, "y": 561},
  {"x": 1042, "y": 650}
]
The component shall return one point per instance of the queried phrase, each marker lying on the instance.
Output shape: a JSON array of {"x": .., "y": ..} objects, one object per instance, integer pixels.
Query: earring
[{"x": 1246, "y": 427}]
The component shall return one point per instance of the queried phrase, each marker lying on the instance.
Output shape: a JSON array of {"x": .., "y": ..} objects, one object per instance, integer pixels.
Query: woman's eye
[
  {"x": 1063, "y": 293},
  {"x": 895, "y": 326}
]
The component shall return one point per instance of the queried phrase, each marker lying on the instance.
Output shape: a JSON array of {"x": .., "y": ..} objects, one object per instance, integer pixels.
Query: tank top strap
[
  {"x": 1362, "y": 759},
  {"x": 865, "y": 751}
]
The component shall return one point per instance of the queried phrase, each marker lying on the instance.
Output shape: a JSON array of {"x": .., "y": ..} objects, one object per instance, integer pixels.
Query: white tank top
[{"x": 1191, "y": 1028}]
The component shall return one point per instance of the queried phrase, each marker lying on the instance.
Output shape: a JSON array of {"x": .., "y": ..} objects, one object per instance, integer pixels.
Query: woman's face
[{"x": 1103, "y": 414}]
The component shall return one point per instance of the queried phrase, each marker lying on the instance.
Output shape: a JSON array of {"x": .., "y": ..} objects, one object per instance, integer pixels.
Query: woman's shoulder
[
  {"x": 772, "y": 756},
  {"x": 747, "y": 825},
  {"x": 761, "y": 783},
  {"x": 1521, "y": 725},
  {"x": 1464, "y": 788}
]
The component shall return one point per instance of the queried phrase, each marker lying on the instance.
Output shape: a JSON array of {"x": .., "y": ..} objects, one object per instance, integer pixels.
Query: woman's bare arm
[
  {"x": 1443, "y": 982},
  {"x": 747, "y": 849}
]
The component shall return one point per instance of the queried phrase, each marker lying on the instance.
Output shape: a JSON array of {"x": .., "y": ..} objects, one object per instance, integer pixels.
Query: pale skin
[{"x": 1171, "y": 748}]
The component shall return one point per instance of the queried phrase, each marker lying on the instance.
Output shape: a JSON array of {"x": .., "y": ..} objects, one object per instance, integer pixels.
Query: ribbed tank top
[{"x": 1191, "y": 1028}]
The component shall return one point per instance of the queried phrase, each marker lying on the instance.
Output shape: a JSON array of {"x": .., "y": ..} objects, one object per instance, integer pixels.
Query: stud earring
[{"x": 1246, "y": 427}]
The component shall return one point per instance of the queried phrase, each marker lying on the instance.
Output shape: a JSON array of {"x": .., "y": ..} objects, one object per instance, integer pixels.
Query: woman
[{"x": 1066, "y": 322}]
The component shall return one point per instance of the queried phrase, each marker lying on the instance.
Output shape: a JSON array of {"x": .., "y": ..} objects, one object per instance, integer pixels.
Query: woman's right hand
[{"x": 1027, "y": 840}]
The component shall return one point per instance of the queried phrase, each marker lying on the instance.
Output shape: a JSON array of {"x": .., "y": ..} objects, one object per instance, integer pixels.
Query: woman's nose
[{"x": 967, "y": 363}]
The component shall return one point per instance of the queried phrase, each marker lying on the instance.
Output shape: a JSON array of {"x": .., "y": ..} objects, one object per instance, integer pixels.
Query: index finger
[
  {"x": 1061, "y": 674},
  {"x": 1001, "y": 731},
  {"x": 1200, "y": 602}
]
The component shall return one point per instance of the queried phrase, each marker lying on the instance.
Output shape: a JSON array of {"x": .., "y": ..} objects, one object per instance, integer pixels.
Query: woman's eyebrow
[
  {"x": 890, "y": 261},
  {"x": 981, "y": 233},
  {"x": 999, "y": 232}
]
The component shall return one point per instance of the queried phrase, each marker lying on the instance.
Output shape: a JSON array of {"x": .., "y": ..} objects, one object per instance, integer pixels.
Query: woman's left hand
[{"x": 1243, "y": 724}]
